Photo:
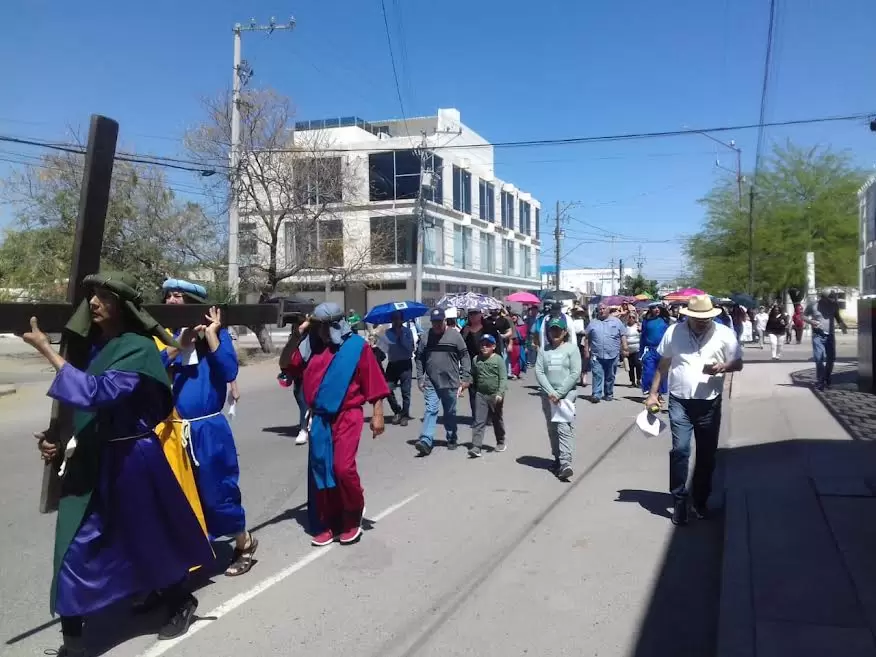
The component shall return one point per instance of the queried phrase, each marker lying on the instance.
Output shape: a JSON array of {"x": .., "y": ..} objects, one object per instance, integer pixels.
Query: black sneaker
[
  {"x": 679, "y": 513},
  {"x": 182, "y": 617},
  {"x": 73, "y": 647},
  {"x": 403, "y": 421},
  {"x": 395, "y": 419},
  {"x": 474, "y": 451},
  {"x": 500, "y": 446},
  {"x": 701, "y": 511},
  {"x": 452, "y": 444},
  {"x": 423, "y": 448},
  {"x": 148, "y": 604},
  {"x": 564, "y": 473}
]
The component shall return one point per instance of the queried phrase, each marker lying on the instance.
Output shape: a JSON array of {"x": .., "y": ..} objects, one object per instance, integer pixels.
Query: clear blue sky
[{"x": 515, "y": 70}]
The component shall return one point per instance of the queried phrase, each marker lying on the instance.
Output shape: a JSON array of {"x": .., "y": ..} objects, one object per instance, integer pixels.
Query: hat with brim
[
  {"x": 124, "y": 286},
  {"x": 700, "y": 307},
  {"x": 557, "y": 322}
]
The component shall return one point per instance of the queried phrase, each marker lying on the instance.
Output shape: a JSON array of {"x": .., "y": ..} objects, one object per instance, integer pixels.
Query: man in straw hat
[{"x": 695, "y": 355}]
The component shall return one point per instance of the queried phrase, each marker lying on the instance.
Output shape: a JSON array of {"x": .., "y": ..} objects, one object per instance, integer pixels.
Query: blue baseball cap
[
  {"x": 437, "y": 315},
  {"x": 486, "y": 337}
]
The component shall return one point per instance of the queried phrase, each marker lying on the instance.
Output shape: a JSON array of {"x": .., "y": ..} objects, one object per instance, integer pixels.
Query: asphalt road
[{"x": 486, "y": 557}]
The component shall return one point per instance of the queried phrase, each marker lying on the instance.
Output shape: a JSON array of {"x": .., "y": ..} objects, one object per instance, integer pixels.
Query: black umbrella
[
  {"x": 741, "y": 299},
  {"x": 558, "y": 295}
]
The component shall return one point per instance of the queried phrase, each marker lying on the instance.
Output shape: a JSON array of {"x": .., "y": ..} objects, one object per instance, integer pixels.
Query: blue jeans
[
  {"x": 824, "y": 354},
  {"x": 522, "y": 358},
  {"x": 699, "y": 419},
  {"x": 603, "y": 370},
  {"x": 447, "y": 399}
]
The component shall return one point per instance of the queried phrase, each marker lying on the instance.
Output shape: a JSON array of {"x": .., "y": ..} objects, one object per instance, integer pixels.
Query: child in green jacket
[{"x": 490, "y": 383}]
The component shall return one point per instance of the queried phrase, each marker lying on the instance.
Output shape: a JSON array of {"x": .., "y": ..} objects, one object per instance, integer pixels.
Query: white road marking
[{"x": 242, "y": 598}]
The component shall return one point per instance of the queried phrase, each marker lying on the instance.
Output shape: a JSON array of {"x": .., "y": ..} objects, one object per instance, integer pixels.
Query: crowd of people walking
[{"x": 152, "y": 477}]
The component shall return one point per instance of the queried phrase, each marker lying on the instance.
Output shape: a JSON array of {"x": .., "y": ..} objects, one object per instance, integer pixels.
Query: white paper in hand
[
  {"x": 649, "y": 424},
  {"x": 189, "y": 355},
  {"x": 564, "y": 411},
  {"x": 232, "y": 409}
]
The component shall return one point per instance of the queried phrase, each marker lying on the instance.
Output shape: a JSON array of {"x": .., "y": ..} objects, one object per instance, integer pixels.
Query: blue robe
[
  {"x": 653, "y": 330},
  {"x": 139, "y": 533},
  {"x": 200, "y": 391}
]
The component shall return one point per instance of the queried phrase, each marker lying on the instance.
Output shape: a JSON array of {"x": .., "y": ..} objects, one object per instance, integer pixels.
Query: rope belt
[
  {"x": 72, "y": 443},
  {"x": 187, "y": 433}
]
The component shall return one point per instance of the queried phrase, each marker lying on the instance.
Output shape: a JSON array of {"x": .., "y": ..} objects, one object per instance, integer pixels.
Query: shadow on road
[
  {"x": 854, "y": 410},
  {"x": 290, "y": 431},
  {"x": 682, "y": 615},
  {"x": 537, "y": 462},
  {"x": 650, "y": 500}
]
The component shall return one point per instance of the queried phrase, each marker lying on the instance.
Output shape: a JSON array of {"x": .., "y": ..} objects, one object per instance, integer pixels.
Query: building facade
[
  {"x": 481, "y": 233},
  {"x": 586, "y": 282}
]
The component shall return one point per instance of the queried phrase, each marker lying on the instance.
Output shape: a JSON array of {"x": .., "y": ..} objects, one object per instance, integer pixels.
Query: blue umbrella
[{"x": 382, "y": 314}]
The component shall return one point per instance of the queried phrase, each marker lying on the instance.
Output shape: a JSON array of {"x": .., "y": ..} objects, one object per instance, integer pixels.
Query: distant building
[
  {"x": 867, "y": 239},
  {"x": 586, "y": 282},
  {"x": 481, "y": 232}
]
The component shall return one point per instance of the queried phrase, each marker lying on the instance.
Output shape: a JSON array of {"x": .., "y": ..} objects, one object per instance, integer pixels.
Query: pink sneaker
[
  {"x": 323, "y": 538},
  {"x": 354, "y": 533}
]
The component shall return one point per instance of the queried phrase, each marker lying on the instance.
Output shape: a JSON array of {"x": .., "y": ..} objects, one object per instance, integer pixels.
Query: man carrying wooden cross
[
  {"x": 201, "y": 371},
  {"x": 124, "y": 526}
]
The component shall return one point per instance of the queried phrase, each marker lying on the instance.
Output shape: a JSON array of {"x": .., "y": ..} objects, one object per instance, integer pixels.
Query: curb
[{"x": 7, "y": 390}]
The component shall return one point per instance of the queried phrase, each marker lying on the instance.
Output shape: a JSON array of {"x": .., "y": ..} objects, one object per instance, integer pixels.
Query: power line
[
  {"x": 122, "y": 157},
  {"x": 394, "y": 69},
  {"x": 632, "y": 136},
  {"x": 760, "y": 139}
]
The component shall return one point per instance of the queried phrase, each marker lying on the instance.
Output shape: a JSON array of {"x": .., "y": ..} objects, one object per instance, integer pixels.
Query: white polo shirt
[{"x": 690, "y": 353}]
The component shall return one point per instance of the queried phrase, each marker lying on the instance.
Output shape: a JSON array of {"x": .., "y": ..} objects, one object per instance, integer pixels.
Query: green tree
[
  {"x": 638, "y": 284},
  {"x": 806, "y": 201},
  {"x": 149, "y": 232}
]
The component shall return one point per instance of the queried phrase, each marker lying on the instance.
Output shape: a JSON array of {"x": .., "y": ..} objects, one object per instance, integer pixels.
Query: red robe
[{"x": 343, "y": 504}]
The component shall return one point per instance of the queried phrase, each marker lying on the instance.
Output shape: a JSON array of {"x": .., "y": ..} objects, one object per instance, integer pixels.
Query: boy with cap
[
  {"x": 490, "y": 384},
  {"x": 443, "y": 372}
]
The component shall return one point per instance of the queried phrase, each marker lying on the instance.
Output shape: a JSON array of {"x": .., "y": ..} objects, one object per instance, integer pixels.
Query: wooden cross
[{"x": 52, "y": 317}]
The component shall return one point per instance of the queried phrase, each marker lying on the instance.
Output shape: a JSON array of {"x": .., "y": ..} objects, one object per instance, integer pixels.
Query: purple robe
[{"x": 140, "y": 533}]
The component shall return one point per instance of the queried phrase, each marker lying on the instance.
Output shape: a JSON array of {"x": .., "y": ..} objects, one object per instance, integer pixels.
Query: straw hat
[{"x": 700, "y": 307}]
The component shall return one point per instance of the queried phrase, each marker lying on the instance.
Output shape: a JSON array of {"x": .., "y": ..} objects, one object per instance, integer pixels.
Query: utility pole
[
  {"x": 557, "y": 236},
  {"x": 620, "y": 276},
  {"x": 640, "y": 261},
  {"x": 241, "y": 70},
  {"x": 751, "y": 241},
  {"x": 421, "y": 221}
]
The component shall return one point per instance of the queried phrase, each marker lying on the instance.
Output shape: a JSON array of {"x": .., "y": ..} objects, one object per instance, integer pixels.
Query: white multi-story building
[
  {"x": 583, "y": 282},
  {"x": 481, "y": 233}
]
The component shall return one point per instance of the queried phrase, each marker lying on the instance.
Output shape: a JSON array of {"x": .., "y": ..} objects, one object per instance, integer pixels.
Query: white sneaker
[{"x": 301, "y": 438}]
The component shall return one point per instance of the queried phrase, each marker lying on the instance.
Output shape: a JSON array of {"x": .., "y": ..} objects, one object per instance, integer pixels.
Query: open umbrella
[
  {"x": 741, "y": 299},
  {"x": 557, "y": 295},
  {"x": 683, "y": 295},
  {"x": 522, "y": 297},
  {"x": 469, "y": 301},
  {"x": 382, "y": 314},
  {"x": 644, "y": 296}
]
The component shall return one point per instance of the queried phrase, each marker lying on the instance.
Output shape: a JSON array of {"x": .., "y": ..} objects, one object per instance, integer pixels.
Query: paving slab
[
  {"x": 780, "y": 639},
  {"x": 851, "y": 520},
  {"x": 797, "y": 572}
]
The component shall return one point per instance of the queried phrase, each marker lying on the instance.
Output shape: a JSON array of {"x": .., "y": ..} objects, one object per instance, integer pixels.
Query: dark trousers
[
  {"x": 635, "y": 366},
  {"x": 699, "y": 419},
  {"x": 398, "y": 374},
  {"x": 487, "y": 409}
]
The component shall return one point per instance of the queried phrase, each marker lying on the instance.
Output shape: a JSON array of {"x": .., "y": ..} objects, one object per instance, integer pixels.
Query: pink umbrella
[
  {"x": 683, "y": 295},
  {"x": 523, "y": 297}
]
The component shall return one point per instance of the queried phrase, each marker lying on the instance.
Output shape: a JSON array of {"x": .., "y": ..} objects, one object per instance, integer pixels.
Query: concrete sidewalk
[{"x": 799, "y": 570}]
